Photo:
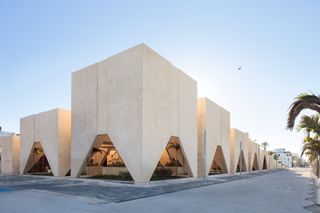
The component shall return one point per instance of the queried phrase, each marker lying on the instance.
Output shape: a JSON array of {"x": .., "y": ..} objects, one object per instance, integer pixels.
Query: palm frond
[
  {"x": 306, "y": 95},
  {"x": 302, "y": 102},
  {"x": 310, "y": 124},
  {"x": 311, "y": 147}
]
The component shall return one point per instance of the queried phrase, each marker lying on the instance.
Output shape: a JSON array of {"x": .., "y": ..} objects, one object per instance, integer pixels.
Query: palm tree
[
  {"x": 38, "y": 151},
  {"x": 311, "y": 147},
  {"x": 265, "y": 144},
  {"x": 270, "y": 153},
  {"x": 311, "y": 144},
  {"x": 177, "y": 147},
  {"x": 276, "y": 158},
  {"x": 175, "y": 162},
  {"x": 95, "y": 150},
  {"x": 302, "y": 101}
]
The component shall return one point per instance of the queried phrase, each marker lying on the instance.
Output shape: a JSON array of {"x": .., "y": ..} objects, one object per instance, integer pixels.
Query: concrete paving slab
[{"x": 284, "y": 191}]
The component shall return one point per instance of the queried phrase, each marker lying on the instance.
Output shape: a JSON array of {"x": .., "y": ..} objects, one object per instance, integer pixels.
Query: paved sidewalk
[
  {"x": 283, "y": 191},
  {"x": 112, "y": 191}
]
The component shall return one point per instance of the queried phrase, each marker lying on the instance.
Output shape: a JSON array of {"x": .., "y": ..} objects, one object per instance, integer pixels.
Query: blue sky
[{"x": 276, "y": 43}]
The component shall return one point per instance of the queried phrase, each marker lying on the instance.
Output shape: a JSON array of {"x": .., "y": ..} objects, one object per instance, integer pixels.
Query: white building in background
[
  {"x": 10, "y": 148},
  {"x": 4, "y": 134},
  {"x": 284, "y": 156}
]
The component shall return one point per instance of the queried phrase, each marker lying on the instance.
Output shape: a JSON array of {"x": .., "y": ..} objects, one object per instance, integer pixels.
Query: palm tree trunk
[{"x": 317, "y": 171}]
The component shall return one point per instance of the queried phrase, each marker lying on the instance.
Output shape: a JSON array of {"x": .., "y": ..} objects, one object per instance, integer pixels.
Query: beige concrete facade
[
  {"x": 140, "y": 100},
  {"x": 10, "y": 146},
  {"x": 273, "y": 164},
  {"x": 133, "y": 113},
  {"x": 216, "y": 122},
  {"x": 270, "y": 162},
  {"x": 52, "y": 131},
  {"x": 253, "y": 156},
  {"x": 264, "y": 160},
  {"x": 237, "y": 136}
]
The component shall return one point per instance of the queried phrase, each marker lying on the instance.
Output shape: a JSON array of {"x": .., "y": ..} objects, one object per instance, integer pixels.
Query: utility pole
[
  {"x": 240, "y": 158},
  {"x": 204, "y": 153},
  {"x": 269, "y": 163}
]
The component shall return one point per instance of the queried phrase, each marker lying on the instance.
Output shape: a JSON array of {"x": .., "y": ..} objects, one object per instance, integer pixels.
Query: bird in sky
[{"x": 239, "y": 67}]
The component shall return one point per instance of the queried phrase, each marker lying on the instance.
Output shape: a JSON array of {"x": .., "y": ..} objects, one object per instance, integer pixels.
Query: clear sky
[{"x": 277, "y": 44}]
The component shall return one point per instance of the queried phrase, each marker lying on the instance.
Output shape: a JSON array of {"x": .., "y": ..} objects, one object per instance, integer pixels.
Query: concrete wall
[
  {"x": 10, "y": 154},
  {"x": 250, "y": 158},
  {"x": 253, "y": 148},
  {"x": 216, "y": 121},
  {"x": 273, "y": 164},
  {"x": 236, "y": 136},
  {"x": 269, "y": 160},
  {"x": 140, "y": 100},
  {"x": 263, "y": 154},
  {"x": 53, "y": 130}
]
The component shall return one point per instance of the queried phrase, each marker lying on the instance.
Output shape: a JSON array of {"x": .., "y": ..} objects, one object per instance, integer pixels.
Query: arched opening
[
  {"x": 218, "y": 165},
  {"x": 172, "y": 163},
  {"x": 37, "y": 163},
  {"x": 242, "y": 162},
  {"x": 264, "y": 167},
  {"x": 104, "y": 161},
  {"x": 255, "y": 165}
]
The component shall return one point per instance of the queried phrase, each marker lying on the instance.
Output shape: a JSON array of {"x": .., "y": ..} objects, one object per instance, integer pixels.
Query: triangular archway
[
  {"x": 243, "y": 163},
  {"x": 104, "y": 161},
  {"x": 172, "y": 163},
  {"x": 218, "y": 165},
  {"x": 255, "y": 165},
  {"x": 37, "y": 162},
  {"x": 264, "y": 167}
]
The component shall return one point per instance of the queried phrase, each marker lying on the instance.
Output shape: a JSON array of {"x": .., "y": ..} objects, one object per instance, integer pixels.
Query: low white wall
[{"x": 10, "y": 154}]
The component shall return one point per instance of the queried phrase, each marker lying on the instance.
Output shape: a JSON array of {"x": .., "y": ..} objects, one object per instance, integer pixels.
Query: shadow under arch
[
  {"x": 218, "y": 165},
  {"x": 255, "y": 165},
  {"x": 264, "y": 166},
  {"x": 37, "y": 162},
  {"x": 243, "y": 164},
  {"x": 173, "y": 162},
  {"x": 103, "y": 161}
]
